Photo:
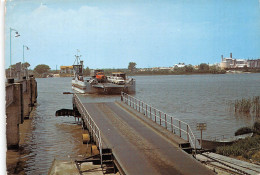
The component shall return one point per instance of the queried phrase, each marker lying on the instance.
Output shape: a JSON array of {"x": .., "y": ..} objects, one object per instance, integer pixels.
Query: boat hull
[
  {"x": 103, "y": 88},
  {"x": 78, "y": 86},
  {"x": 212, "y": 145}
]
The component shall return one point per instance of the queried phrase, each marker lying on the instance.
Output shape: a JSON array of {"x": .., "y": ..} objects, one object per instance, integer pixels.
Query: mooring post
[
  {"x": 142, "y": 107},
  {"x": 90, "y": 129},
  {"x": 201, "y": 138},
  {"x": 139, "y": 105},
  {"x": 188, "y": 133},
  {"x": 151, "y": 112},
  {"x": 180, "y": 127},
  {"x": 165, "y": 122},
  {"x": 171, "y": 124},
  {"x": 146, "y": 110},
  {"x": 160, "y": 118},
  {"x": 155, "y": 115},
  {"x": 95, "y": 134}
]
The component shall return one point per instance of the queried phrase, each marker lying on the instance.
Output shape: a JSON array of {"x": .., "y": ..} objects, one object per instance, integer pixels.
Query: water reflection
[{"x": 195, "y": 98}]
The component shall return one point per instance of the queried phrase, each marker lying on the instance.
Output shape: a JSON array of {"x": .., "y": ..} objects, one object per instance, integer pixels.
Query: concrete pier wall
[{"x": 20, "y": 99}]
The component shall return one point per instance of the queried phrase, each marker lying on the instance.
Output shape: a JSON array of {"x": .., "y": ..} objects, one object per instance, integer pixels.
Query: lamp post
[
  {"x": 27, "y": 48},
  {"x": 16, "y": 35},
  {"x": 23, "y": 66}
]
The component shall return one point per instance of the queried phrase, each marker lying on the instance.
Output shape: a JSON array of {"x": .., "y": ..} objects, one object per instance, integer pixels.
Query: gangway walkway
[{"x": 138, "y": 148}]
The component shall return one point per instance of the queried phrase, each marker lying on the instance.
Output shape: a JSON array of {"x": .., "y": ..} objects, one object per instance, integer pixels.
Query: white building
[
  {"x": 179, "y": 65},
  {"x": 232, "y": 63}
]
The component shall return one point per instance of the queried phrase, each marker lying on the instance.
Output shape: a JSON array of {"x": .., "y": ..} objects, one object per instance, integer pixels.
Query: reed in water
[{"x": 247, "y": 106}]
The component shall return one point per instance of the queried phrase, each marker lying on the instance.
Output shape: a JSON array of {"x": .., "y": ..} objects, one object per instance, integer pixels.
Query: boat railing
[
  {"x": 228, "y": 138},
  {"x": 92, "y": 126},
  {"x": 216, "y": 137},
  {"x": 176, "y": 126}
]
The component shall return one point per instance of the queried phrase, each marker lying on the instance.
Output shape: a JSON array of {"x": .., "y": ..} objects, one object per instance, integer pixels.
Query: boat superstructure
[
  {"x": 78, "y": 83},
  {"x": 99, "y": 83}
]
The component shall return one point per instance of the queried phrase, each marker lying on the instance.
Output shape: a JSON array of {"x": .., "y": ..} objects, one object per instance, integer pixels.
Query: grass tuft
[
  {"x": 247, "y": 106},
  {"x": 247, "y": 148}
]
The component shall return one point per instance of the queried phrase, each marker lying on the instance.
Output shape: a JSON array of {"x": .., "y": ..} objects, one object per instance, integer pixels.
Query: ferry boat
[{"x": 99, "y": 83}]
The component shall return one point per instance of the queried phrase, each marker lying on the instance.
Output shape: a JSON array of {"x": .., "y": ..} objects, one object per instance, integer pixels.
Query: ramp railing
[
  {"x": 172, "y": 124},
  {"x": 92, "y": 126}
]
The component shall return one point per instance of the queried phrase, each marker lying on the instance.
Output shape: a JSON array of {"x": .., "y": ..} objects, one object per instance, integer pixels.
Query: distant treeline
[
  {"x": 188, "y": 69},
  {"x": 203, "y": 68},
  {"x": 182, "y": 71}
]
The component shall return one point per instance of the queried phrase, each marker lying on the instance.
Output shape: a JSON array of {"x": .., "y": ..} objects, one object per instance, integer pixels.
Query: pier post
[
  {"x": 142, "y": 107},
  {"x": 26, "y": 98},
  {"x": 34, "y": 89},
  {"x": 151, "y": 112},
  {"x": 14, "y": 117},
  {"x": 171, "y": 124},
  {"x": 188, "y": 133},
  {"x": 155, "y": 115},
  {"x": 20, "y": 97},
  {"x": 146, "y": 110},
  {"x": 160, "y": 118},
  {"x": 180, "y": 127},
  {"x": 165, "y": 122}
]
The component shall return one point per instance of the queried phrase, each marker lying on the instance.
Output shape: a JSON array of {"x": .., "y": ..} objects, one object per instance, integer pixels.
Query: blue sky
[{"x": 112, "y": 33}]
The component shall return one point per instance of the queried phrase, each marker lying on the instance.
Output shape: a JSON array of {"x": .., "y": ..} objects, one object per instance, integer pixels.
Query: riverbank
[
  {"x": 247, "y": 150},
  {"x": 16, "y": 160}
]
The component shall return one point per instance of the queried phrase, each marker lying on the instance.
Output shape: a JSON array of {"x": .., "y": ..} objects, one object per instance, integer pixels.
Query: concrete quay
[{"x": 21, "y": 96}]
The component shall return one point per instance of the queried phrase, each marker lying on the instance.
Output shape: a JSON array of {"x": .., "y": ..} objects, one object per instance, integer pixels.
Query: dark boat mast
[{"x": 78, "y": 65}]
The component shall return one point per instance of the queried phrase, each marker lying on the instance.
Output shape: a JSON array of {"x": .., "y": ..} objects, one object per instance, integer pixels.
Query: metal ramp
[{"x": 137, "y": 147}]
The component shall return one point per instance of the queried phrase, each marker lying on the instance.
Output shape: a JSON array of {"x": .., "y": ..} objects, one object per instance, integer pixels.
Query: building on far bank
[
  {"x": 179, "y": 65},
  {"x": 232, "y": 63},
  {"x": 227, "y": 63},
  {"x": 161, "y": 68},
  {"x": 66, "y": 69},
  {"x": 253, "y": 63}
]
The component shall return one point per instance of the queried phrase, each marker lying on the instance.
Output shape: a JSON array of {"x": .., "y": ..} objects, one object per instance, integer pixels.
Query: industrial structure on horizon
[
  {"x": 66, "y": 69},
  {"x": 233, "y": 63}
]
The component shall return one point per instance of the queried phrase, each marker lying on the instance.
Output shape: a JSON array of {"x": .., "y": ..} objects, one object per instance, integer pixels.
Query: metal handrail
[
  {"x": 92, "y": 126},
  {"x": 161, "y": 118}
]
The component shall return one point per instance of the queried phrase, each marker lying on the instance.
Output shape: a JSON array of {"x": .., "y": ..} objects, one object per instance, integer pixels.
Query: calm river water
[{"x": 191, "y": 98}]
